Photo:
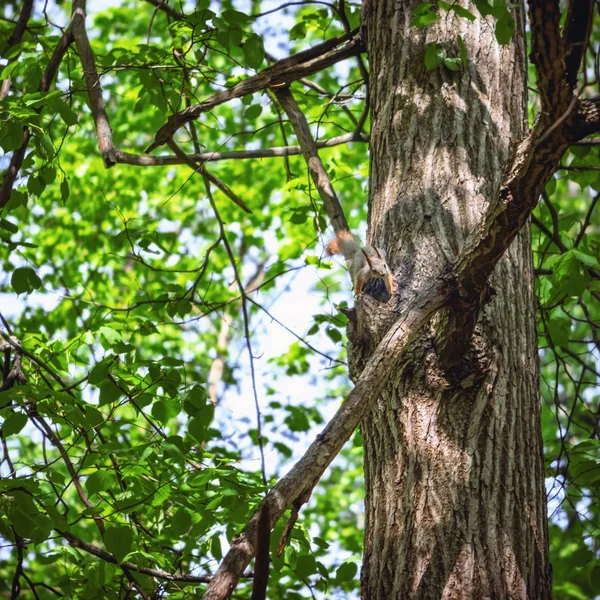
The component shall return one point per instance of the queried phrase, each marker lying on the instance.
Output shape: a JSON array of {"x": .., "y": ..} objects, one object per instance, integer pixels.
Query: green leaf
[
  {"x": 215, "y": 545},
  {"x": 306, "y": 565},
  {"x": 483, "y": 6},
  {"x": 98, "y": 374},
  {"x": 11, "y": 135},
  {"x": 459, "y": 10},
  {"x": 165, "y": 410},
  {"x": 505, "y": 28},
  {"x": 25, "y": 280},
  {"x": 118, "y": 540},
  {"x": 434, "y": 56},
  {"x": 14, "y": 424},
  {"x": 424, "y": 14},
  {"x": 582, "y": 556},
  {"x": 109, "y": 392},
  {"x": 253, "y": 111},
  {"x": 586, "y": 259},
  {"x": 333, "y": 334},
  {"x": 36, "y": 185},
  {"x": 64, "y": 110},
  {"x": 298, "y": 31},
  {"x": 346, "y": 572},
  {"x": 64, "y": 190},
  {"x": 110, "y": 335},
  {"x": 93, "y": 416},
  {"x": 235, "y": 17},
  {"x": 8, "y": 225},
  {"x": 254, "y": 51},
  {"x": 453, "y": 63},
  {"x": 99, "y": 481},
  {"x": 559, "y": 329},
  {"x": 181, "y": 522},
  {"x": 299, "y": 216},
  {"x": 197, "y": 429},
  {"x": 551, "y": 186}
]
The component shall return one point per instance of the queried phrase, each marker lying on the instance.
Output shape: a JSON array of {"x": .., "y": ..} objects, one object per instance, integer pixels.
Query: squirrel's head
[{"x": 377, "y": 263}]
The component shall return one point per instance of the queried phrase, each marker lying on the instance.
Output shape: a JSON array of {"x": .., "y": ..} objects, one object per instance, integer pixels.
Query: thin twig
[{"x": 299, "y": 338}]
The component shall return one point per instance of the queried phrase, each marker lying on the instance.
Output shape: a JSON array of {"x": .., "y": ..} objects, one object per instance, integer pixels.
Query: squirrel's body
[{"x": 364, "y": 262}]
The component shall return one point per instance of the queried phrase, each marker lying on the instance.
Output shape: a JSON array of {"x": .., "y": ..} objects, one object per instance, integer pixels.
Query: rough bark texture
[{"x": 455, "y": 500}]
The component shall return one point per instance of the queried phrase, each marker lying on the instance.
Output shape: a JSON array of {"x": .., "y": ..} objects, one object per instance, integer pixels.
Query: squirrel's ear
[
  {"x": 377, "y": 251},
  {"x": 367, "y": 257}
]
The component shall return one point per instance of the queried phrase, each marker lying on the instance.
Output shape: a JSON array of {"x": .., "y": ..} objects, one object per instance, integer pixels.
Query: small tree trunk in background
[{"x": 455, "y": 499}]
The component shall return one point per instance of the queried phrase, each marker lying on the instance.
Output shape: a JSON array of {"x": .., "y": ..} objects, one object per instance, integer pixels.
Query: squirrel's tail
[{"x": 343, "y": 243}]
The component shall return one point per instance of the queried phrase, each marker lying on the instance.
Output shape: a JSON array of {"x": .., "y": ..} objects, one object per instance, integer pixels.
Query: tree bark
[{"x": 455, "y": 498}]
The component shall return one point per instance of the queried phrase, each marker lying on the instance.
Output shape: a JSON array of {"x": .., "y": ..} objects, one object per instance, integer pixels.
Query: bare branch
[
  {"x": 108, "y": 557},
  {"x": 92, "y": 80},
  {"x": 587, "y": 220},
  {"x": 588, "y": 142},
  {"x": 305, "y": 474},
  {"x": 282, "y": 72},
  {"x": 277, "y": 152},
  {"x": 162, "y": 5},
  {"x": 331, "y": 202}
]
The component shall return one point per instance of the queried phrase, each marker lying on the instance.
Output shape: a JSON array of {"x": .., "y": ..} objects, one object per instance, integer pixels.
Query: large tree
[{"x": 142, "y": 220}]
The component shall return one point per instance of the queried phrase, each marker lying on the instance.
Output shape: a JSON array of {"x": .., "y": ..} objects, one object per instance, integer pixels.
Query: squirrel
[{"x": 364, "y": 262}]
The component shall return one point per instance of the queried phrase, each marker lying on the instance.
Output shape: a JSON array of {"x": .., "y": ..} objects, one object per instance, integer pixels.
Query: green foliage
[{"x": 427, "y": 13}]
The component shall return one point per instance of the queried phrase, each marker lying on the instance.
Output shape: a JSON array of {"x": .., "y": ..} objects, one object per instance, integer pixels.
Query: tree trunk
[{"x": 455, "y": 499}]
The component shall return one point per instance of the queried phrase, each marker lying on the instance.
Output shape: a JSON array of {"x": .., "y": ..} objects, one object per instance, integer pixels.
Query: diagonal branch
[
  {"x": 110, "y": 558},
  {"x": 55, "y": 440},
  {"x": 305, "y": 474},
  {"x": 318, "y": 173},
  {"x": 92, "y": 80},
  {"x": 282, "y": 72}
]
